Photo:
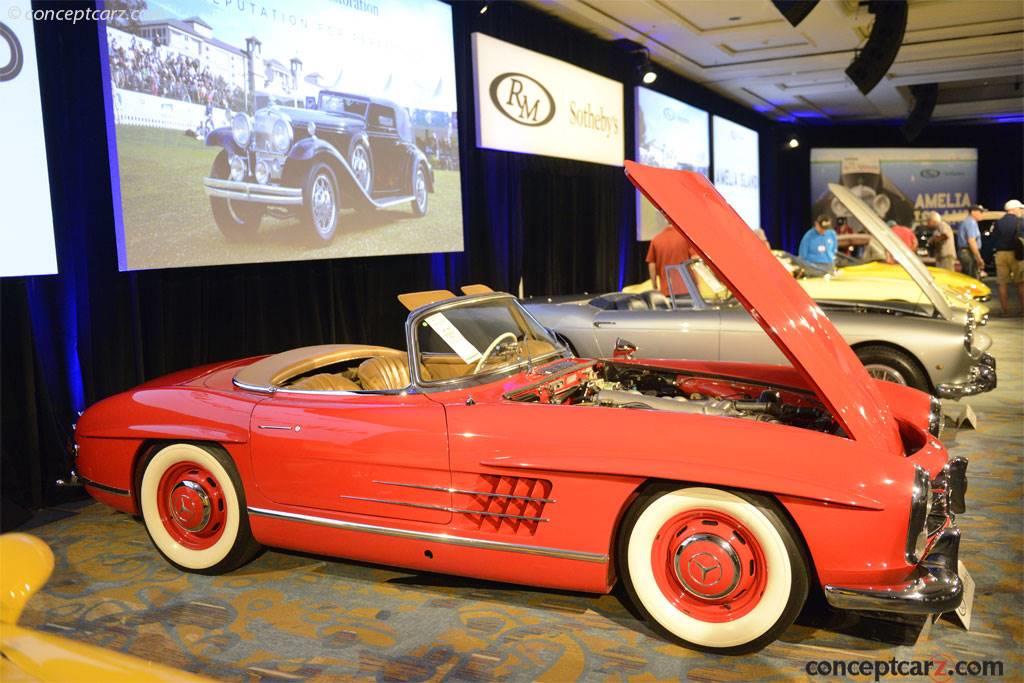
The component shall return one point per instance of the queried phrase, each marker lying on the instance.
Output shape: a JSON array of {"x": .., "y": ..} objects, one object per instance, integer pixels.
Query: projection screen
[
  {"x": 669, "y": 134},
  {"x": 26, "y": 229},
  {"x": 287, "y": 131},
  {"x": 738, "y": 168}
]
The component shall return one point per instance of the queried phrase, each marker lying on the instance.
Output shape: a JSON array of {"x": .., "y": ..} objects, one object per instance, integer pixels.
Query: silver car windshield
[
  {"x": 477, "y": 336},
  {"x": 693, "y": 285}
]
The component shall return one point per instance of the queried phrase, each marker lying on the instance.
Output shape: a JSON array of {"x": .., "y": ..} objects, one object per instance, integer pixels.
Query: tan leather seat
[
  {"x": 325, "y": 381},
  {"x": 385, "y": 372}
]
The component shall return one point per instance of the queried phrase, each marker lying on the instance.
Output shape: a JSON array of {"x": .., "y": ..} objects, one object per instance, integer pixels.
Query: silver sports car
[
  {"x": 896, "y": 342},
  {"x": 928, "y": 347}
]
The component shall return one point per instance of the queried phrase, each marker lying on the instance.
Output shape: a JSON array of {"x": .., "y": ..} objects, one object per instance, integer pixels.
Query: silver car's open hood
[{"x": 874, "y": 224}]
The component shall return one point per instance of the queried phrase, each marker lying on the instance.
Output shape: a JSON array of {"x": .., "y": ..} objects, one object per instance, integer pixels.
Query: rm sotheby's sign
[{"x": 528, "y": 102}]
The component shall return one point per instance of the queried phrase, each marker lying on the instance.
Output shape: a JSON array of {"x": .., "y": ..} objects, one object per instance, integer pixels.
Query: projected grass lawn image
[{"x": 168, "y": 221}]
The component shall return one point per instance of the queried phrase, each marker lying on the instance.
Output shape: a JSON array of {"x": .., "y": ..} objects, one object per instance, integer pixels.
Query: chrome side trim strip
[
  {"x": 467, "y": 492},
  {"x": 447, "y": 539},
  {"x": 445, "y": 508},
  {"x": 253, "y": 387},
  {"x": 103, "y": 487}
]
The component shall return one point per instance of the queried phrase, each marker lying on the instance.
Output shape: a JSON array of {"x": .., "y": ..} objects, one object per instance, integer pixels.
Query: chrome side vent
[{"x": 512, "y": 505}]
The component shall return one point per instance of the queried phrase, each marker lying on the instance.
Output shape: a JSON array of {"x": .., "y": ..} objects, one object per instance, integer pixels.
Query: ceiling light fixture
[
  {"x": 643, "y": 68},
  {"x": 793, "y": 142},
  {"x": 483, "y": 10}
]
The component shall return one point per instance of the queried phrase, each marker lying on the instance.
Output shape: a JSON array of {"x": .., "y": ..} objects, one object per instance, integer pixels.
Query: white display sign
[
  {"x": 532, "y": 103},
  {"x": 669, "y": 134},
  {"x": 26, "y": 229},
  {"x": 738, "y": 168}
]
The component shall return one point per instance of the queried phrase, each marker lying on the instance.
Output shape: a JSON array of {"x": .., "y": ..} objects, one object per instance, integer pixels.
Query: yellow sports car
[
  {"x": 952, "y": 280},
  {"x": 27, "y": 655},
  {"x": 859, "y": 283}
]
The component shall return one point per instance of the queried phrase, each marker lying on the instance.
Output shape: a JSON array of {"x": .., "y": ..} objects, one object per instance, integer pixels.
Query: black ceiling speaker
[
  {"x": 795, "y": 11},
  {"x": 878, "y": 54},
  {"x": 925, "y": 96}
]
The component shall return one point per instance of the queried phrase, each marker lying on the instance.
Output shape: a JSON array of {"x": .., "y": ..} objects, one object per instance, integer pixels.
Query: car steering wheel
[{"x": 490, "y": 349}]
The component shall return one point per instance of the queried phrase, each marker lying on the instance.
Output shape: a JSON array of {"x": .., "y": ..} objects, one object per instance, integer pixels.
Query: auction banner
[
  {"x": 532, "y": 103},
  {"x": 900, "y": 184},
  {"x": 26, "y": 229},
  {"x": 270, "y": 130},
  {"x": 669, "y": 134},
  {"x": 738, "y": 168}
]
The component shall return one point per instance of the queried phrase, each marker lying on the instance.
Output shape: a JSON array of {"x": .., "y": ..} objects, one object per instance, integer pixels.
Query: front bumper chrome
[
  {"x": 982, "y": 378},
  {"x": 934, "y": 586},
  {"x": 240, "y": 191}
]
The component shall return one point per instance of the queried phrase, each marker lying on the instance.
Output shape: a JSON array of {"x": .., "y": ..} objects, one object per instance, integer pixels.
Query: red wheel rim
[
  {"x": 709, "y": 565},
  {"x": 191, "y": 504}
]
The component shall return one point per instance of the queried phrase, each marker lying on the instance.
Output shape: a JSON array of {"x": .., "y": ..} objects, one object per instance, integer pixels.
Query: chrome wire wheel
[
  {"x": 884, "y": 372},
  {"x": 324, "y": 209},
  {"x": 360, "y": 163}
]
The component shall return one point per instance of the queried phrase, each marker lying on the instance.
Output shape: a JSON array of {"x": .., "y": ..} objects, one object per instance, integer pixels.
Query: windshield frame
[{"x": 412, "y": 343}]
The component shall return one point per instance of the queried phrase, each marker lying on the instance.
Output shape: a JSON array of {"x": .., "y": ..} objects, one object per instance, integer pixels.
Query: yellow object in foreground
[{"x": 34, "y": 656}]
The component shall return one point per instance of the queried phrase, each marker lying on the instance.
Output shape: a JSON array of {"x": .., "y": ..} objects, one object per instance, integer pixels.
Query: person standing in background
[
  {"x": 1007, "y": 234},
  {"x": 819, "y": 244},
  {"x": 905, "y": 234},
  {"x": 968, "y": 242},
  {"x": 942, "y": 239},
  {"x": 668, "y": 248}
]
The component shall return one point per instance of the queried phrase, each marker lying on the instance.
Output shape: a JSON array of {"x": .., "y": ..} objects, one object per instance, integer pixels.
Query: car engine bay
[{"x": 641, "y": 387}]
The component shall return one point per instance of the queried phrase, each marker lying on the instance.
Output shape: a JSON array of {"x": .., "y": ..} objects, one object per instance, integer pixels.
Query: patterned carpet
[{"x": 290, "y": 617}]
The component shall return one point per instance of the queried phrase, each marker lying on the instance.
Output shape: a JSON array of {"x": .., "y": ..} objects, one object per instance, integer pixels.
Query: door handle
[
  {"x": 284, "y": 428},
  {"x": 603, "y": 323}
]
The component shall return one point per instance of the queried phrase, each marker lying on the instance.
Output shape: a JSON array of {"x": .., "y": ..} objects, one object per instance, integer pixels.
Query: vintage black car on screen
[{"x": 350, "y": 152}]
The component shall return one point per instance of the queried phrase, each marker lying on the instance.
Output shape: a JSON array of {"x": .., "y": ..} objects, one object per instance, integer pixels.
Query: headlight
[
  {"x": 281, "y": 135},
  {"x": 237, "y": 164},
  {"x": 920, "y": 508},
  {"x": 935, "y": 421},
  {"x": 241, "y": 129}
]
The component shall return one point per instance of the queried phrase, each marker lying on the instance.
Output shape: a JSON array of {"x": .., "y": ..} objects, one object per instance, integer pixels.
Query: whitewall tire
[
  {"x": 194, "y": 510},
  {"x": 717, "y": 570}
]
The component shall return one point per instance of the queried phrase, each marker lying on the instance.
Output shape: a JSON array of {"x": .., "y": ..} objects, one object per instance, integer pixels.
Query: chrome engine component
[{"x": 633, "y": 399}]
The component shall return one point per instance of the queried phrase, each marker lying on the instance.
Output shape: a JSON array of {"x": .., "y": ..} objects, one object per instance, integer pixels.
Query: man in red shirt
[
  {"x": 668, "y": 248},
  {"x": 905, "y": 234}
]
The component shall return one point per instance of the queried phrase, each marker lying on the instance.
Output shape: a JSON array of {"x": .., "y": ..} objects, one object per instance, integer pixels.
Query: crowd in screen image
[{"x": 161, "y": 72}]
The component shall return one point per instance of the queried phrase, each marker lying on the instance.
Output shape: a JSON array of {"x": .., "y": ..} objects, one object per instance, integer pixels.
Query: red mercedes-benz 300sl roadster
[{"x": 720, "y": 494}]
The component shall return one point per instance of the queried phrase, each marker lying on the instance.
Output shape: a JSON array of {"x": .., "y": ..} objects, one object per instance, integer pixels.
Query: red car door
[{"x": 384, "y": 455}]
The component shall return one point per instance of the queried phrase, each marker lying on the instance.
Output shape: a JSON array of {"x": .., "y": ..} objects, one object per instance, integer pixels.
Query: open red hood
[{"x": 772, "y": 296}]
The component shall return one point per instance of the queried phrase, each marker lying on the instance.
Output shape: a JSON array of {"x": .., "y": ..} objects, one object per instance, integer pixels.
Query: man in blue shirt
[
  {"x": 819, "y": 244},
  {"x": 1006, "y": 237},
  {"x": 968, "y": 242}
]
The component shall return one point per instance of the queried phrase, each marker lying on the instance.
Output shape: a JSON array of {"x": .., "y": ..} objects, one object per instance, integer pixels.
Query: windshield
[
  {"x": 801, "y": 268},
  {"x": 335, "y": 103},
  {"x": 692, "y": 275},
  {"x": 479, "y": 336}
]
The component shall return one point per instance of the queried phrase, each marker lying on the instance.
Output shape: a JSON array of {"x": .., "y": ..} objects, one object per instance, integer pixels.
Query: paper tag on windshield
[
  {"x": 453, "y": 337},
  {"x": 709, "y": 279}
]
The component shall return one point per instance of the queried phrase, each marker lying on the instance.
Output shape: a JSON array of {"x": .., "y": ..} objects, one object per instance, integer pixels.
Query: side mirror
[{"x": 624, "y": 349}]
